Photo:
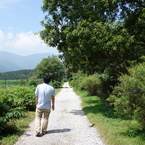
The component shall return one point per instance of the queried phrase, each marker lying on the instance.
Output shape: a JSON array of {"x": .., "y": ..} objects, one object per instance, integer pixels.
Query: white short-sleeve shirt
[{"x": 44, "y": 92}]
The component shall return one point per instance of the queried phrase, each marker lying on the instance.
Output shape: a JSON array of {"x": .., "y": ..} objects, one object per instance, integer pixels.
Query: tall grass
[{"x": 112, "y": 129}]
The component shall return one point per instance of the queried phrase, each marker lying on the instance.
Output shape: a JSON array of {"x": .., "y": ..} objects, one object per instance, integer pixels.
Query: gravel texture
[{"x": 67, "y": 124}]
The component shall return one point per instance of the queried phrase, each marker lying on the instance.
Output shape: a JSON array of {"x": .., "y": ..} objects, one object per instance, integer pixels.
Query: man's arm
[
  {"x": 36, "y": 99},
  {"x": 53, "y": 102}
]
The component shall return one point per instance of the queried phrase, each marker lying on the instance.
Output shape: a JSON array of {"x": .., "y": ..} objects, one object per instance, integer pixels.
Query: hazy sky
[{"x": 20, "y": 19}]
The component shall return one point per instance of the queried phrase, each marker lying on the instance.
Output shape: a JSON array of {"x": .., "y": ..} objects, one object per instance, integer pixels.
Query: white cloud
[
  {"x": 2, "y": 38},
  {"x": 24, "y": 43}
]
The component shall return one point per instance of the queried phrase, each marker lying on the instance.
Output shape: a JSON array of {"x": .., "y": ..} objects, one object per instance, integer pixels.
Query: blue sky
[{"x": 20, "y": 19}]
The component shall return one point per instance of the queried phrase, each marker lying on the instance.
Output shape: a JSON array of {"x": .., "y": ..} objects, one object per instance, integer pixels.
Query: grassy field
[
  {"x": 6, "y": 83},
  {"x": 114, "y": 130}
]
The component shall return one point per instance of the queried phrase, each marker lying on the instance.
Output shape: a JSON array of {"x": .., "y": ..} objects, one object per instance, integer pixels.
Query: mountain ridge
[{"x": 13, "y": 62}]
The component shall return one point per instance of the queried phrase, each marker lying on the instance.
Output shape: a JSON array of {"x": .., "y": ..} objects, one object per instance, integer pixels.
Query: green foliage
[
  {"x": 57, "y": 84},
  {"x": 24, "y": 96},
  {"x": 105, "y": 86},
  {"x": 16, "y": 128},
  {"x": 15, "y": 75},
  {"x": 97, "y": 84},
  {"x": 62, "y": 23},
  {"x": 90, "y": 84},
  {"x": 90, "y": 35},
  {"x": 86, "y": 33},
  {"x": 50, "y": 66},
  {"x": 128, "y": 96},
  {"x": 33, "y": 83},
  {"x": 113, "y": 130},
  {"x": 14, "y": 101},
  {"x": 22, "y": 82},
  {"x": 66, "y": 14},
  {"x": 97, "y": 44},
  {"x": 77, "y": 78}
]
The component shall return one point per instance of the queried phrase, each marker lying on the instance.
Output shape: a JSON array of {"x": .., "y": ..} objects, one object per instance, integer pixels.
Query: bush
[
  {"x": 76, "y": 79},
  {"x": 57, "y": 84},
  {"x": 33, "y": 83},
  {"x": 105, "y": 86},
  {"x": 23, "y": 96},
  {"x": 14, "y": 101},
  {"x": 8, "y": 111},
  {"x": 90, "y": 84},
  {"x": 128, "y": 97}
]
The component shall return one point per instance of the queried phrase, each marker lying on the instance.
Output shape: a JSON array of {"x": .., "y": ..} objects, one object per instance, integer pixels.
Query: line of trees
[
  {"x": 15, "y": 75},
  {"x": 99, "y": 41}
]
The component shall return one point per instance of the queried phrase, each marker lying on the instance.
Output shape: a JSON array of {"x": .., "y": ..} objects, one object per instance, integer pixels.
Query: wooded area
[
  {"x": 15, "y": 75},
  {"x": 96, "y": 35},
  {"x": 102, "y": 43}
]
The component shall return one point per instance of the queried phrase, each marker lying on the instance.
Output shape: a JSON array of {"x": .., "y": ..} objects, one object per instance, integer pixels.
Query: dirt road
[{"x": 67, "y": 124}]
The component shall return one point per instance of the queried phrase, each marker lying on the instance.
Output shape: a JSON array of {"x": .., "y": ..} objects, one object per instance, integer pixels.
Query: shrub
[
  {"x": 76, "y": 79},
  {"x": 8, "y": 111},
  {"x": 14, "y": 101},
  {"x": 22, "y": 82},
  {"x": 57, "y": 84},
  {"x": 90, "y": 84},
  {"x": 33, "y": 83},
  {"x": 105, "y": 86},
  {"x": 23, "y": 96},
  {"x": 128, "y": 97}
]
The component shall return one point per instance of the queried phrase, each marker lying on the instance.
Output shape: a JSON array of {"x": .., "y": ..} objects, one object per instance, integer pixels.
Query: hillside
[
  {"x": 16, "y": 75},
  {"x": 13, "y": 62}
]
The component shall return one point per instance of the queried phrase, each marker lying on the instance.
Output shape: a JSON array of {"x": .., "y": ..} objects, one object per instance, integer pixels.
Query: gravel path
[{"x": 67, "y": 124}]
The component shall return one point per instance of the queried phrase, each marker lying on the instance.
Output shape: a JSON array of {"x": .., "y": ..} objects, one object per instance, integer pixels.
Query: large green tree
[
  {"x": 100, "y": 46},
  {"x": 50, "y": 66},
  {"x": 132, "y": 12},
  {"x": 88, "y": 36},
  {"x": 66, "y": 14},
  {"x": 62, "y": 18}
]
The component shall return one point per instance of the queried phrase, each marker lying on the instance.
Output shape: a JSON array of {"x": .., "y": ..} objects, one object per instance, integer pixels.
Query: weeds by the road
[
  {"x": 114, "y": 130},
  {"x": 16, "y": 128}
]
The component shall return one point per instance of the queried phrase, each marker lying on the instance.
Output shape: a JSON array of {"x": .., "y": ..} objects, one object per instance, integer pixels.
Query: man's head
[{"x": 47, "y": 79}]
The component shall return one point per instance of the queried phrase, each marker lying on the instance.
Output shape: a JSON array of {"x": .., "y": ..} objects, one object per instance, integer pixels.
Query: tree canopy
[
  {"x": 96, "y": 35},
  {"x": 50, "y": 66}
]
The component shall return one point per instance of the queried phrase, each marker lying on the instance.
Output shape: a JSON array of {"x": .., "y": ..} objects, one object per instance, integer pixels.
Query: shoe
[
  {"x": 44, "y": 132},
  {"x": 37, "y": 134}
]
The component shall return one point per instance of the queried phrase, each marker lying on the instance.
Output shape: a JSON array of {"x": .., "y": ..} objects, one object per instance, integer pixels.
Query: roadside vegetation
[
  {"x": 102, "y": 45},
  {"x": 17, "y": 99},
  {"x": 113, "y": 129},
  {"x": 17, "y": 104},
  {"x": 15, "y": 128},
  {"x": 118, "y": 116}
]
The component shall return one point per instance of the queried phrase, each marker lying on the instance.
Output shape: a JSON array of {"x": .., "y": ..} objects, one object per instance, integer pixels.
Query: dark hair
[{"x": 47, "y": 79}]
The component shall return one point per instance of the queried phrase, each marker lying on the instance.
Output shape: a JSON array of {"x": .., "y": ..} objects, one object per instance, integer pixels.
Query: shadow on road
[
  {"x": 77, "y": 112},
  {"x": 58, "y": 130}
]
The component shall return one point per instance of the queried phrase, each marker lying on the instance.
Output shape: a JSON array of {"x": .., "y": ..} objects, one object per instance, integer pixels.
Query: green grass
[
  {"x": 16, "y": 128},
  {"x": 113, "y": 130}
]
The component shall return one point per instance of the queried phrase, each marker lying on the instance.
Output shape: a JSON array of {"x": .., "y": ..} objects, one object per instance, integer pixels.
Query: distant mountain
[{"x": 13, "y": 62}]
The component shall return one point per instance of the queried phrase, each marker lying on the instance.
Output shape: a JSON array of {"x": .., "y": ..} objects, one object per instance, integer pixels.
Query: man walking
[{"x": 45, "y": 100}]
